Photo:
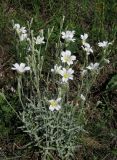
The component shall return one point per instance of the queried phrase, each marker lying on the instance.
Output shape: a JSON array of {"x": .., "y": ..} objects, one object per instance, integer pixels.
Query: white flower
[
  {"x": 87, "y": 48},
  {"x": 20, "y": 68},
  {"x": 23, "y": 36},
  {"x": 84, "y": 38},
  {"x": 16, "y": 26},
  {"x": 39, "y": 40},
  {"x": 93, "y": 66},
  {"x": 82, "y": 97},
  {"x": 66, "y": 74},
  {"x": 54, "y": 104},
  {"x": 56, "y": 69},
  {"x": 21, "y": 31},
  {"x": 104, "y": 44},
  {"x": 68, "y": 36},
  {"x": 66, "y": 57}
]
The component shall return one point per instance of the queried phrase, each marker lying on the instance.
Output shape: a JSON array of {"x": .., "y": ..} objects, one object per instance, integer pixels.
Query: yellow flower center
[
  {"x": 53, "y": 103},
  {"x": 67, "y": 58},
  {"x": 66, "y": 75}
]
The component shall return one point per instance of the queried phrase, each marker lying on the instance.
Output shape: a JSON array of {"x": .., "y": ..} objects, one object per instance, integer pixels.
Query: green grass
[{"x": 95, "y": 17}]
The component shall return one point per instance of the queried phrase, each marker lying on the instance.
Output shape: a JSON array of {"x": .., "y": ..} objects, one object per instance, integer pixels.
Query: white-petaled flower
[
  {"x": 13, "y": 90},
  {"x": 106, "y": 60},
  {"x": 56, "y": 69},
  {"x": 82, "y": 97},
  {"x": 21, "y": 31},
  {"x": 83, "y": 72},
  {"x": 104, "y": 44},
  {"x": 67, "y": 57},
  {"x": 68, "y": 36},
  {"x": 23, "y": 36},
  {"x": 54, "y": 104},
  {"x": 87, "y": 48},
  {"x": 66, "y": 74},
  {"x": 39, "y": 40},
  {"x": 84, "y": 38},
  {"x": 16, "y": 26},
  {"x": 20, "y": 68},
  {"x": 93, "y": 66}
]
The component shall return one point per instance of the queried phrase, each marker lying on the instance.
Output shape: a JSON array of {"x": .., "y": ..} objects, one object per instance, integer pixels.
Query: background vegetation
[{"x": 98, "y": 19}]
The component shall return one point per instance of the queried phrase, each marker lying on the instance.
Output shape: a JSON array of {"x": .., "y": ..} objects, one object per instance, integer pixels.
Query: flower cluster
[
  {"x": 88, "y": 49},
  {"x": 48, "y": 105},
  {"x": 23, "y": 35},
  {"x": 66, "y": 72},
  {"x": 66, "y": 58},
  {"x": 21, "y": 31},
  {"x": 86, "y": 46}
]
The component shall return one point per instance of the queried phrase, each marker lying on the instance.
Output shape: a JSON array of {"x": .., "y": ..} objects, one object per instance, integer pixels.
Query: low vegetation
[{"x": 58, "y": 90}]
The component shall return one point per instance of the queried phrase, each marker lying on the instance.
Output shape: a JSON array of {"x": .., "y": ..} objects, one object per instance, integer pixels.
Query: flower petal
[
  {"x": 22, "y": 65},
  {"x": 58, "y": 99},
  {"x": 51, "y": 108},
  {"x": 58, "y": 107},
  {"x": 27, "y": 68}
]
